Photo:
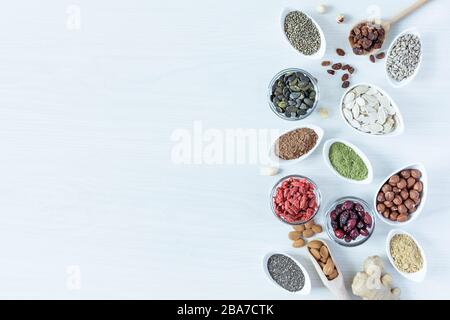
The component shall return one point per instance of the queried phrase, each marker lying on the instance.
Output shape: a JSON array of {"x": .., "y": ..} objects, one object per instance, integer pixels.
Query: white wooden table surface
[{"x": 91, "y": 205}]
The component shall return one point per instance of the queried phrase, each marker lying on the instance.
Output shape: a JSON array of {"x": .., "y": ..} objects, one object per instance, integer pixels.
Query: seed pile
[
  {"x": 293, "y": 95},
  {"x": 368, "y": 110},
  {"x": 406, "y": 253},
  {"x": 302, "y": 32},
  {"x": 296, "y": 143},
  {"x": 286, "y": 272},
  {"x": 321, "y": 253},
  {"x": 404, "y": 57},
  {"x": 366, "y": 37},
  {"x": 302, "y": 231},
  {"x": 347, "y": 162}
]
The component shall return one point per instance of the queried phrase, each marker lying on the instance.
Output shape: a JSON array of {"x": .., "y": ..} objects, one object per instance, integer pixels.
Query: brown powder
[{"x": 296, "y": 143}]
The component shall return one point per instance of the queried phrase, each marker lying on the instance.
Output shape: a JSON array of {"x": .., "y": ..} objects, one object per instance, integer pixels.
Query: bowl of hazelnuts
[{"x": 402, "y": 195}]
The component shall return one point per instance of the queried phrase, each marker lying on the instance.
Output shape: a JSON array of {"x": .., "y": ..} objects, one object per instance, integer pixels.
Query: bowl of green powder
[{"x": 347, "y": 161}]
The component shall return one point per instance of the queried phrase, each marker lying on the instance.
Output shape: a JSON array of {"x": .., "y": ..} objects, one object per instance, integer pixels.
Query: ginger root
[{"x": 372, "y": 284}]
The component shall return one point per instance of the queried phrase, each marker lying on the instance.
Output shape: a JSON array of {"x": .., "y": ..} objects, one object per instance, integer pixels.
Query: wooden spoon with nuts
[{"x": 383, "y": 24}]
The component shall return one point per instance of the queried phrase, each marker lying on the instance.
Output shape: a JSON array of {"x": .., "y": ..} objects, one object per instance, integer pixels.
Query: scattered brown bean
[
  {"x": 372, "y": 58},
  {"x": 345, "y": 84},
  {"x": 336, "y": 66},
  {"x": 332, "y": 72},
  {"x": 340, "y": 52},
  {"x": 381, "y": 55},
  {"x": 326, "y": 63},
  {"x": 345, "y": 77}
]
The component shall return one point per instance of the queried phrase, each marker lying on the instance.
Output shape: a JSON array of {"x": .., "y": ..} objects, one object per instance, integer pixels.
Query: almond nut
[
  {"x": 308, "y": 233},
  {"x": 294, "y": 235},
  {"x": 315, "y": 253},
  {"x": 299, "y": 227},
  {"x": 324, "y": 252},
  {"x": 329, "y": 267},
  {"x": 309, "y": 224},
  {"x": 316, "y": 244},
  {"x": 298, "y": 243},
  {"x": 333, "y": 275},
  {"x": 316, "y": 228}
]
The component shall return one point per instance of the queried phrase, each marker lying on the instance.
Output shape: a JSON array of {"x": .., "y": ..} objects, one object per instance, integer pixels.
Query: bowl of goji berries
[{"x": 295, "y": 199}]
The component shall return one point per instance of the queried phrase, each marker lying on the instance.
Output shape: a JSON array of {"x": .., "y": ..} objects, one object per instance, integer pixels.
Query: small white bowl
[
  {"x": 323, "y": 44},
  {"x": 400, "y": 126},
  {"x": 423, "y": 199},
  {"x": 281, "y": 162},
  {"x": 418, "y": 276},
  {"x": 326, "y": 158},
  {"x": 404, "y": 82},
  {"x": 307, "y": 286}
]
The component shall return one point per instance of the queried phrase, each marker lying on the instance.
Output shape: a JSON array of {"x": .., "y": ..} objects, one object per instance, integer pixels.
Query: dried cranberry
[
  {"x": 343, "y": 218},
  {"x": 348, "y": 238},
  {"x": 364, "y": 232},
  {"x": 361, "y": 225},
  {"x": 359, "y": 207},
  {"x": 348, "y": 205},
  {"x": 367, "y": 219},
  {"x": 334, "y": 224},
  {"x": 354, "y": 215},
  {"x": 351, "y": 224},
  {"x": 339, "y": 233},
  {"x": 354, "y": 234},
  {"x": 333, "y": 215}
]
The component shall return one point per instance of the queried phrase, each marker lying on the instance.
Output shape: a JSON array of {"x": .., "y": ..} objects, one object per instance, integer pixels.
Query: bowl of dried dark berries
[
  {"x": 350, "y": 221},
  {"x": 293, "y": 94}
]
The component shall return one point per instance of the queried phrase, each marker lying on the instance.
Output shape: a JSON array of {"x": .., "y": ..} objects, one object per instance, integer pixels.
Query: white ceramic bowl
[
  {"x": 323, "y": 44},
  {"x": 423, "y": 199},
  {"x": 307, "y": 286},
  {"x": 404, "y": 82},
  {"x": 281, "y": 162},
  {"x": 400, "y": 126},
  {"x": 326, "y": 158},
  {"x": 416, "y": 276}
]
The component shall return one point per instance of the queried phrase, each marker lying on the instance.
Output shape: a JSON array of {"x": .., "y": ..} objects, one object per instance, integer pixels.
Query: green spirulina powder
[{"x": 347, "y": 162}]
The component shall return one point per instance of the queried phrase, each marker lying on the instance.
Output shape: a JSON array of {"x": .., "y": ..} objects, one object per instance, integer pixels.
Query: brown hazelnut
[
  {"x": 394, "y": 208},
  {"x": 381, "y": 207},
  {"x": 381, "y": 197},
  {"x": 416, "y": 173},
  {"x": 389, "y": 196},
  {"x": 387, "y": 213},
  {"x": 401, "y": 184},
  {"x": 397, "y": 200},
  {"x": 386, "y": 188},
  {"x": 393, "y": 216},
  {"x": 406, "y": 174},
  {"x": 410, "y": 182},
  {"x": 414, "y": 195},
  {"x": 409, "y": 204},
  {"x": 404, "y": 194},
  {"x": 396, "y": 190},
  {"x": 388, "y": 204},
  {"x": 418, "y": 186},
  {"x": 402, "y": 218},
  {"x": 412, "y": 210},
  {"x": 417, "y": 201},
  {"x": 402, "y": 209},
  {"x": 394, "y": 180}
]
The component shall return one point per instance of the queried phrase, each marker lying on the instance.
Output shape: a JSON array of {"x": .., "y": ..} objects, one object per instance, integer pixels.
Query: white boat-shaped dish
[
  {"x": 326, "y": 158},
  {"x": 323, "y": 44},
  {"x": 306, "y": 287},
  {"x": 399, "y": 124},
  {"x": 423, "y": 198},
  {"x": 416, "y": 276},
  {"x": 281, "y": 162}
]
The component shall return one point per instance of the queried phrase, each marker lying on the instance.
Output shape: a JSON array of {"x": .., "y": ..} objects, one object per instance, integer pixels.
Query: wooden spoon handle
[{"x": 416, "y": 5}]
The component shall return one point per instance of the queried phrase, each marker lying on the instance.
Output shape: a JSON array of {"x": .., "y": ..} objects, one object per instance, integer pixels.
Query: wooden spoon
[
  {"x": 386, "y": 24},
  {"x": 337, "y": 285}
]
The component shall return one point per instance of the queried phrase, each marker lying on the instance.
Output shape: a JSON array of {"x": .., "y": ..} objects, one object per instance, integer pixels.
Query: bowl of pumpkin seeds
[{"x": 293, "y": 94}]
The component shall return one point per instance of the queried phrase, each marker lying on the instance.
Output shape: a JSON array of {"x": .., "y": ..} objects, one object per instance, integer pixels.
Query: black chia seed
[{"x": 286, "y": 272}]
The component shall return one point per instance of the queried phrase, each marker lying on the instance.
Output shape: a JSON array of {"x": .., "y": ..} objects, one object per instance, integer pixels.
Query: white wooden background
[{"x": 86, "y": 117}]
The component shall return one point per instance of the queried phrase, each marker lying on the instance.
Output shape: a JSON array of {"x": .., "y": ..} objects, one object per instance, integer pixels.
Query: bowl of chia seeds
[
  {"x": 286, "y": 272},
  {"x": 404, "y": 58},
  {"x": 303, "y": 33},
  {"x": 293, "y": 94}
]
